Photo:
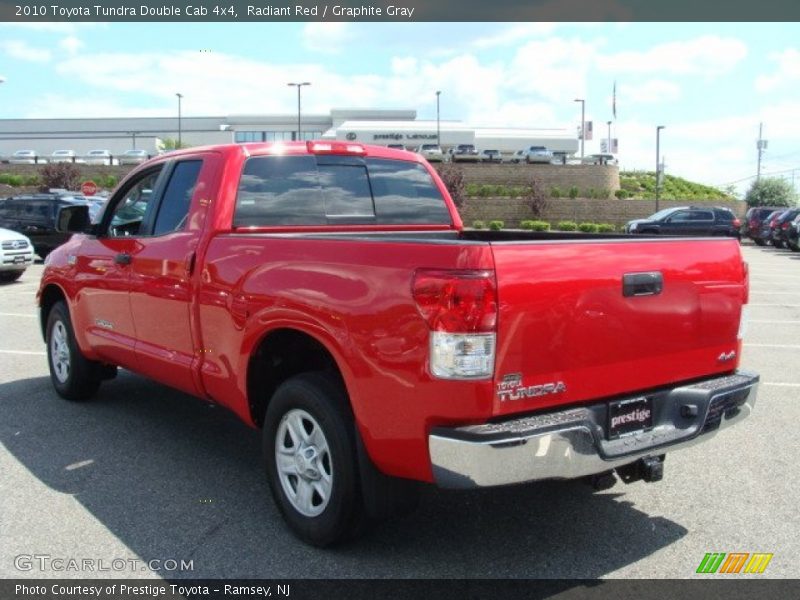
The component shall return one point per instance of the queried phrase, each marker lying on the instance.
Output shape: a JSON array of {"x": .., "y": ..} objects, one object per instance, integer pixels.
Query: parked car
[
  {"x": 782, "y": 226},
  {"x": 414, "y": 351},
  {"x": 16, "y": 255},
  {"x": 396, "y": 146},
  {"x": 26, "y": 157},
  {"x": 65, "y": 156},
  {"x": 599, "y": 159},
  {"x": 517, "y": 157},
  {"x": 133, "y": 157},
  {"x": 754, "y": 221},
  {"x": 537, "y": 155},
  {"x": 99, "y": 157},
  {"x": 431, "y": 152},
  {"x": 559, "y": 158},
  {"x": 768, "y": 225},
  {"x": 464, "y": 153},
  {"x": 793, "y": 235},
  {"x": 688, "y": 220},
  {"x": 34, "y": 215},
  {"x": 491, "y": 156}
]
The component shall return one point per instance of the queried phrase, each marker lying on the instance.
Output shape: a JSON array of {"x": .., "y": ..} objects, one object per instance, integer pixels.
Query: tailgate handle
[{"x": 642, "y": 284}]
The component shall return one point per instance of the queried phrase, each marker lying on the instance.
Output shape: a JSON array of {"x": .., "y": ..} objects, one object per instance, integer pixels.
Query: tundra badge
[{"x": 511, "y": 387}]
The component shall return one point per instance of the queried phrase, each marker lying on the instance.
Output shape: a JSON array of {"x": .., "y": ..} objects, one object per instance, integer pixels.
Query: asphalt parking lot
[{"x": 144, "y": 473}]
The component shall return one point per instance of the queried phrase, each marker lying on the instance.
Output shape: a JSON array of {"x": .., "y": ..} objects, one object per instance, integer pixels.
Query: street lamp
[
  {"x": 438, "y": 136},
  {"x": 609, "y": 137},
  {"x": 133, "y": 135},
  {"x": 583, "y": 121},
  {"x": 180, "y": 97},
  {"x": 658, "y": 162},
  {"x": 298, "y": 86}
]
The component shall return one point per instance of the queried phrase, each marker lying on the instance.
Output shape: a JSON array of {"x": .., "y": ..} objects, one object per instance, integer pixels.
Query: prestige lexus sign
[{"x": 401, "y": 136}]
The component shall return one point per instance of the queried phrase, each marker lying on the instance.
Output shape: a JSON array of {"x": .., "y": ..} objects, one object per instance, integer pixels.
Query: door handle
[
  {"x": 123, "y": 258},
  {"x": 642, "y": 284}
]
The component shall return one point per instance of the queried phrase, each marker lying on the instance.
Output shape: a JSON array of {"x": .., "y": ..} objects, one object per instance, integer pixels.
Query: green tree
[
  {"x": 168, "y": 144},
  {"x": 771, "y": 191}
]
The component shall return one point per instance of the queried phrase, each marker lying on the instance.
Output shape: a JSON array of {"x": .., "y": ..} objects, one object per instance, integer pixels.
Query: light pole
[
  {"x": 609, "y": 137},
  {"x": 133, "y": 135},
  {"x": 583, "y": 121},
  {"x": 658, "y": 162},
  {"x": 438, "y": 136},
  {"x": 298, "y": 86},
  {"x": 180, "y": 140}
]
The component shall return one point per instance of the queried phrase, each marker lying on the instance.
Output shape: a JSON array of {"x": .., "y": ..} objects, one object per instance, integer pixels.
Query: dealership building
[{"x": 381, "y": 127}]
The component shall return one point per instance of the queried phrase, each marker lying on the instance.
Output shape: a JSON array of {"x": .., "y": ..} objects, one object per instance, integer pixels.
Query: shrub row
[
  {"x": 515, "y": 191},
  {"x": 545, "y": 226}
]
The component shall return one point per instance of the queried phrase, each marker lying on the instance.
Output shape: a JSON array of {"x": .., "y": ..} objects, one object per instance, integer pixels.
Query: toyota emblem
[{"x": 351, "y": 136}]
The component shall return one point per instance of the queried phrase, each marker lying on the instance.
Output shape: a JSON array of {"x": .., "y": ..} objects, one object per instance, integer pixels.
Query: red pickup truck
[{"x": 327, "y": 293}]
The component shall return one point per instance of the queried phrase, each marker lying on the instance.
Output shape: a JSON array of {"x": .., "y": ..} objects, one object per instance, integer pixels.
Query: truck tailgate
[{"x": 568, "y": 333}]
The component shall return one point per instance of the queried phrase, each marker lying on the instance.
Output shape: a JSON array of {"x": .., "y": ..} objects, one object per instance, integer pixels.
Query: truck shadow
[{"x": 175, "y": 478}]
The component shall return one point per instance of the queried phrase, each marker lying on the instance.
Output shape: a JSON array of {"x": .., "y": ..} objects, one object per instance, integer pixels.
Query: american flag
[{"x": 614, "y": 102}]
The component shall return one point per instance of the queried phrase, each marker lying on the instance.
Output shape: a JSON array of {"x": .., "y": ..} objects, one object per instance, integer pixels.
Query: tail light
[
  {"x": 336, "y": 148},
  {"x": 785, "y": 226},
  {"x": 460, "y": 309},
  {"x": 745, "y": 300},
  {"x": 737, "y": 223}
]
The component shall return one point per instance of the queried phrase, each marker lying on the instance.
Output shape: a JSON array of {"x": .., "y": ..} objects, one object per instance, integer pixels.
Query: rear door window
[{"x": 320, "y": 190}]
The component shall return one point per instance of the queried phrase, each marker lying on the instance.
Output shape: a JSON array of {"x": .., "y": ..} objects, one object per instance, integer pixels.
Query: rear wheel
[
  {"x": 777, "y": 243},
  {"x": 311, "y": 459},
  {"x": 74, "y": 376},
  {"x": 759, "y": 242}
]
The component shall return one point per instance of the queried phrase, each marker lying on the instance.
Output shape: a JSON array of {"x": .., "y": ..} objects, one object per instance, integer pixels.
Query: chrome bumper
[{"x": 573, "y": 443}]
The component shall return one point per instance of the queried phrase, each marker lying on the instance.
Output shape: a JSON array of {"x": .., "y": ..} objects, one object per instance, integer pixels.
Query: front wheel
[
  {"x": 311, "y": 459},
  {"x": 74, "y": 376},
  {"x": 777, "y": 243},
  {"x": 793, "y": 246},
  {"x": 759, "y": 242}
]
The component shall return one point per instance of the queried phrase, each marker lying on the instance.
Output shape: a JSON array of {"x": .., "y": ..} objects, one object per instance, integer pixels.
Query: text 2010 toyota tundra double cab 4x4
[{"x": 326, "y": 293}]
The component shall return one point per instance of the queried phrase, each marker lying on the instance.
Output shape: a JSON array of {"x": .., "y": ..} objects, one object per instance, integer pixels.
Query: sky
[{"x": 709, "y": 84}]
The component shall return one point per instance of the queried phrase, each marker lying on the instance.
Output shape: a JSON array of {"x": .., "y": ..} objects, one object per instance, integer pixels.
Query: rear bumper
[{"x": 573, "y": 443}]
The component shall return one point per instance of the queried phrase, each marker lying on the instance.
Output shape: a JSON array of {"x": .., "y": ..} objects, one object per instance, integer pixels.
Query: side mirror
[{"x": 73, "y": 219}]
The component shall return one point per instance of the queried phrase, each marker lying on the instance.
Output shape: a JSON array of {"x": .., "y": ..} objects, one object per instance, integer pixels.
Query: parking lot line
[
  {"x": 23, "y": 352},
  {"x": 5, "y": 314},
  {"x": 773, "y": 321},
  {"x": 776, "y": 384},
  {"x": 786, "y": 304},
  {"x": 795, "y": 346}
]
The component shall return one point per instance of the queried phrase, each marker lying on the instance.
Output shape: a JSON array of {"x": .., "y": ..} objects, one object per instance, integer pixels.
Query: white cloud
[
  {"x": 327, "y": 36},
  {"x": 648, "y": 92},
  {"x": 71, "y": 44},
  {"x": 513, "y": 34},
  {"x": 24, "y": 51},
  {"x": 705, "y": 55},
  {"x": 787, "y": 72}
]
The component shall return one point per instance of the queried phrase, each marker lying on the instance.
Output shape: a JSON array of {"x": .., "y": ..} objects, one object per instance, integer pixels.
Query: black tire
[
  {"x": 759, "y": 242},
  {"x": 74, "y": 376},
  {"x": 793, "y": 246},
  {"x": 777, "y": 243},
  {"x": 316, "y": 403},
  {"x": 10, "y": 276}
]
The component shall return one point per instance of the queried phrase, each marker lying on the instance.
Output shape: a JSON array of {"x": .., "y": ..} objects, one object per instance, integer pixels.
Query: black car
[
  {"x": 754, "y": 221},
  {"x": 689, "y": 220},
  {"x": 34, "y": 215},
  {"x": 781, "y": 228},
  {"x": 793, "y": 235}
]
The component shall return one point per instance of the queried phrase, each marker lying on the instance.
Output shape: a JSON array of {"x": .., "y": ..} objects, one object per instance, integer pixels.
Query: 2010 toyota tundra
[{"x": 327, "y": 293}]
